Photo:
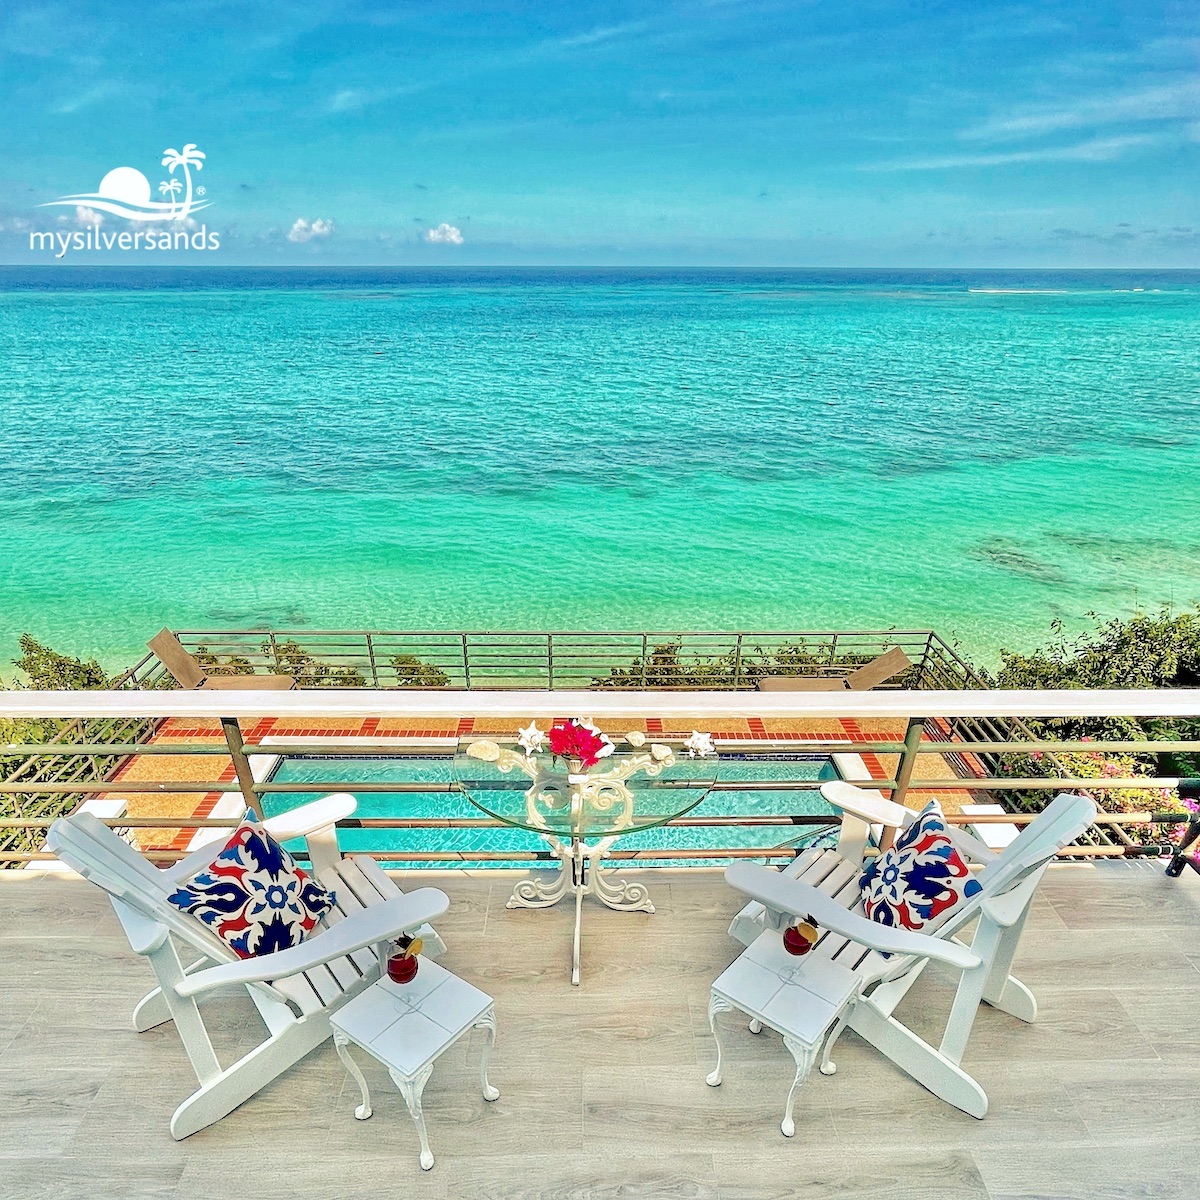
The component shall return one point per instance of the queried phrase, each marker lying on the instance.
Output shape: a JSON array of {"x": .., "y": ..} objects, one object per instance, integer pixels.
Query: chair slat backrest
[
  {"x": 183, "y": 666},
  {"x": 878, "y": 670},
  {"x": 89, "y": 847},
  {"x": 1057, "y": 825}
]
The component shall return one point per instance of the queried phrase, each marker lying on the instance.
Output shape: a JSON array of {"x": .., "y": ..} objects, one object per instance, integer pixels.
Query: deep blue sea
[{"x": 980, "y": 452}]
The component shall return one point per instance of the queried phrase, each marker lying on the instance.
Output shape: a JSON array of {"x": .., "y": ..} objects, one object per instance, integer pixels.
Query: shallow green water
[{"x": 592, "y": 450}]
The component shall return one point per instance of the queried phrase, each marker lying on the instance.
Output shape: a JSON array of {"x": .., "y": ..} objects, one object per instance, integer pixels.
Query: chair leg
[
  {"x": 1003, "y": 991},
  {"x": 250, "y": 1074},
  {"x": 929, "y": 1067},
  {"x": 1015, "y": 999},
  {"x": 755, "y": 1025},
  {"x": 805, "y": 1056},
  {"x": 716, "y": 1004},
  {"x": 152, "y": 1010}
]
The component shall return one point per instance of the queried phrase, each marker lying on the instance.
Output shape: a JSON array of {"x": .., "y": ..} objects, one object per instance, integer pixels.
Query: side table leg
[
  {"x": 488, "y": 1023},
  {"x": 716, "y": 1004},
  {"x": 805, "y": 1056},
  {"x": 340, "y": 1042},
  {"x": 411, "y": 1089}
]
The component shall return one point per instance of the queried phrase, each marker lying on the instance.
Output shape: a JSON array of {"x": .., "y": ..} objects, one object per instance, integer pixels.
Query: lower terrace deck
[
  {"x": 603, "y": 1091},
  {"x": 781, "y": 733}
]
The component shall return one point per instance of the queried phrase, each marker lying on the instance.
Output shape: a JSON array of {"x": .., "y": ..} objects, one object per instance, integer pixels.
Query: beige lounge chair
[
  {"x": 863, "y": 680},
  {"x": 188, "y": 673}
]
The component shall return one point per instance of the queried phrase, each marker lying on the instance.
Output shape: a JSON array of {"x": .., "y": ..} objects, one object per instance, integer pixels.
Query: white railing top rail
[{"x": 600, "y": 703}]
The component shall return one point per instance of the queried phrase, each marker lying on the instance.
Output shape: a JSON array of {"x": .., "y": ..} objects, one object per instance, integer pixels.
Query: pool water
[{"x": 437, "y": 769}]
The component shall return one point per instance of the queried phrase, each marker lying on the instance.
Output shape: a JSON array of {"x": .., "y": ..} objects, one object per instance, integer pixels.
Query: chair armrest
[
  {"x": 309, "y": 818},
  {"x": 782, "y": 894},
  {"x": 872, "y": 809},
  {"x": 367, "y": 927}
]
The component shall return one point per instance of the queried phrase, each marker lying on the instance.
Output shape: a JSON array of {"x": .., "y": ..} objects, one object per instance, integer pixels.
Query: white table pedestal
[{"x": 581, "y": 875}]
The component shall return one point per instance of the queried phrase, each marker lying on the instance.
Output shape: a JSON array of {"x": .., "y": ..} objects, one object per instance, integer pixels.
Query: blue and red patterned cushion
[
  {"x": 253, "y": 896},
  {"x": 920, "y": 877}
]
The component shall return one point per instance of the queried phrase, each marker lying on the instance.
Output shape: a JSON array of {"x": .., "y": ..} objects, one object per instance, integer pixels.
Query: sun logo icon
[{"x": 125, "y": 191}]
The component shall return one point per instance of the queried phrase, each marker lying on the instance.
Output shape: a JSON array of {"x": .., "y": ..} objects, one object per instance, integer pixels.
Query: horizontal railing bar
[
  {"x": 982, "y": 783},
  {"x": 602, "y": 703},
  {"x": 375, "y": 745},
  {"x": 1144, "y": 817},
  {"x": 736, "y": 820},
  {"x": 281, "y": 635},
  {"x": 681, "y": 854}
]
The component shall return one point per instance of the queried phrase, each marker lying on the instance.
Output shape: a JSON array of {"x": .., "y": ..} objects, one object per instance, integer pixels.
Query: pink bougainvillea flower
[{"x": 574, "y": 739}]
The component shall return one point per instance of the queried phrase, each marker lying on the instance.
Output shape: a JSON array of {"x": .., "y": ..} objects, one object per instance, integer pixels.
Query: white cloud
[
  {"x": 88, "y": 216},
  {"x": 350, "y": 100},
  {"x": 305, "y": 231},
  {"x": 1094, "y": 150},
  {"x": 444, "y": 234},
  {"x": 1170, "y": 102}
]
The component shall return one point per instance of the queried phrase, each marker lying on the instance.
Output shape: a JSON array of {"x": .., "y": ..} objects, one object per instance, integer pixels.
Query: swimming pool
[{"x": 437, "y": 770}]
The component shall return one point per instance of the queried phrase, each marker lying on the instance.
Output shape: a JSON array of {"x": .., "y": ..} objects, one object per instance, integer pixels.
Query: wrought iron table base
[{"x": 581, "y": 875}]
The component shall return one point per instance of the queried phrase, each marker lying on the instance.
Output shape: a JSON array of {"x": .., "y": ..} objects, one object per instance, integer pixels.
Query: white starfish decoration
[
  {"x": 699, "y": 745},
  {"x": 531, "y": 739}
]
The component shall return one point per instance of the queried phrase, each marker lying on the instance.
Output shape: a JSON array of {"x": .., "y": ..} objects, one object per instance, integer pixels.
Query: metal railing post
[
  {"x": 371, "y": 660},
  {"x": 241, "y": 765},
  {"x": 1189, "y": 789},
  {"x": 904, "y": 771},
  {"x": 466, "y": 664}
]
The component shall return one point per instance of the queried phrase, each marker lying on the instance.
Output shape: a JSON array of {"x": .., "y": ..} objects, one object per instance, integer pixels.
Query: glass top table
[{"x": 582, "y": 810}]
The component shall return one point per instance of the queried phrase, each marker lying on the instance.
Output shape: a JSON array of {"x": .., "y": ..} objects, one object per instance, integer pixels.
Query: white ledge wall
[{"x": 601, "y": 703}]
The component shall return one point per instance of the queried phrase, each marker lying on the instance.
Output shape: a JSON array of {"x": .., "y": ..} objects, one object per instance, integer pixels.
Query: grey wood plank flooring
[{"x": 603, "y": 1093}]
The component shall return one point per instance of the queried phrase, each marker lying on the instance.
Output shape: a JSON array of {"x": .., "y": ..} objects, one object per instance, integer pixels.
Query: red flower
[{"x": 575, "y": 740}]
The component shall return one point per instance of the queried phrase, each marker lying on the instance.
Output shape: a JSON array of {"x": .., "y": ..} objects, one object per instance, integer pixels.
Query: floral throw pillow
[
  {"x": 919, "y": 878},
  {"x": 253, "y": 896}
]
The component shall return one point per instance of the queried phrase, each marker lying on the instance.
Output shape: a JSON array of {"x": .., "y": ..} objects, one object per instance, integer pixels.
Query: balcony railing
[
  {"x": 106, "y": 728},
  {"x": 563, "y": 660}
]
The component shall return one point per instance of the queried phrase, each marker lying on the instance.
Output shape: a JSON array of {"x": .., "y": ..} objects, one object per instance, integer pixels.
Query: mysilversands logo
[{"x": 126, "y": 193}]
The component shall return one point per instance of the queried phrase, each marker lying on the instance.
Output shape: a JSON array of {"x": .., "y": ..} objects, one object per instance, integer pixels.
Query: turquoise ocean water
[{"x": 976, "y": 452}]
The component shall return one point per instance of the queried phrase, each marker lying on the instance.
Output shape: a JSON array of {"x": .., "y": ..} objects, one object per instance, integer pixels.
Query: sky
[{"x": 669, "y": 133}]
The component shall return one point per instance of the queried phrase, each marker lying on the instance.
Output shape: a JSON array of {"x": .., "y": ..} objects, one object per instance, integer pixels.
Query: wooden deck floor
[{"x": 603, "y": 1086}]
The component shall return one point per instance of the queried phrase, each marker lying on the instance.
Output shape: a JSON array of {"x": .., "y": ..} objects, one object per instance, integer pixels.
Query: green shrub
[
  {"x": 47, "y": 670},
  {"x": 289, "y": 658},
  {"x": 231, "y": 664},
  {"x": 412, "y": 672},
  {"x": 666, "y": 666},
  {"x": 1142, "y": 651}
]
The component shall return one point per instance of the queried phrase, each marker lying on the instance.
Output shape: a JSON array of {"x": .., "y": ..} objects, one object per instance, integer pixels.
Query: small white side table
[{"x": 407, "y": 1027}]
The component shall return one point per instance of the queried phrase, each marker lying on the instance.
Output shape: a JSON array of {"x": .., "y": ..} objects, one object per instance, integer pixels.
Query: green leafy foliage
[
  {"x": 1143, "y": 651},
  {"x": 412, "y": 672},
  {"x": 290, "y": 658},
  {"x": 231, "y": 664},
  {"x": 47, "y": 670},
  {"x": 670, "y": 666}
]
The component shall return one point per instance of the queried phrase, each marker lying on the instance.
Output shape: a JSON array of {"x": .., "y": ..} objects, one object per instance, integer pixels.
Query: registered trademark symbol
[{"x": 201, "y": 191}]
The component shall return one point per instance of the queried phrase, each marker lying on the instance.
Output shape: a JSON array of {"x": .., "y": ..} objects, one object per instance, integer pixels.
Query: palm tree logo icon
[
  {"x": 188, "y": 157},
  {"x": 125, "y": 191},
  {"x": 170, "y": 187}
]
